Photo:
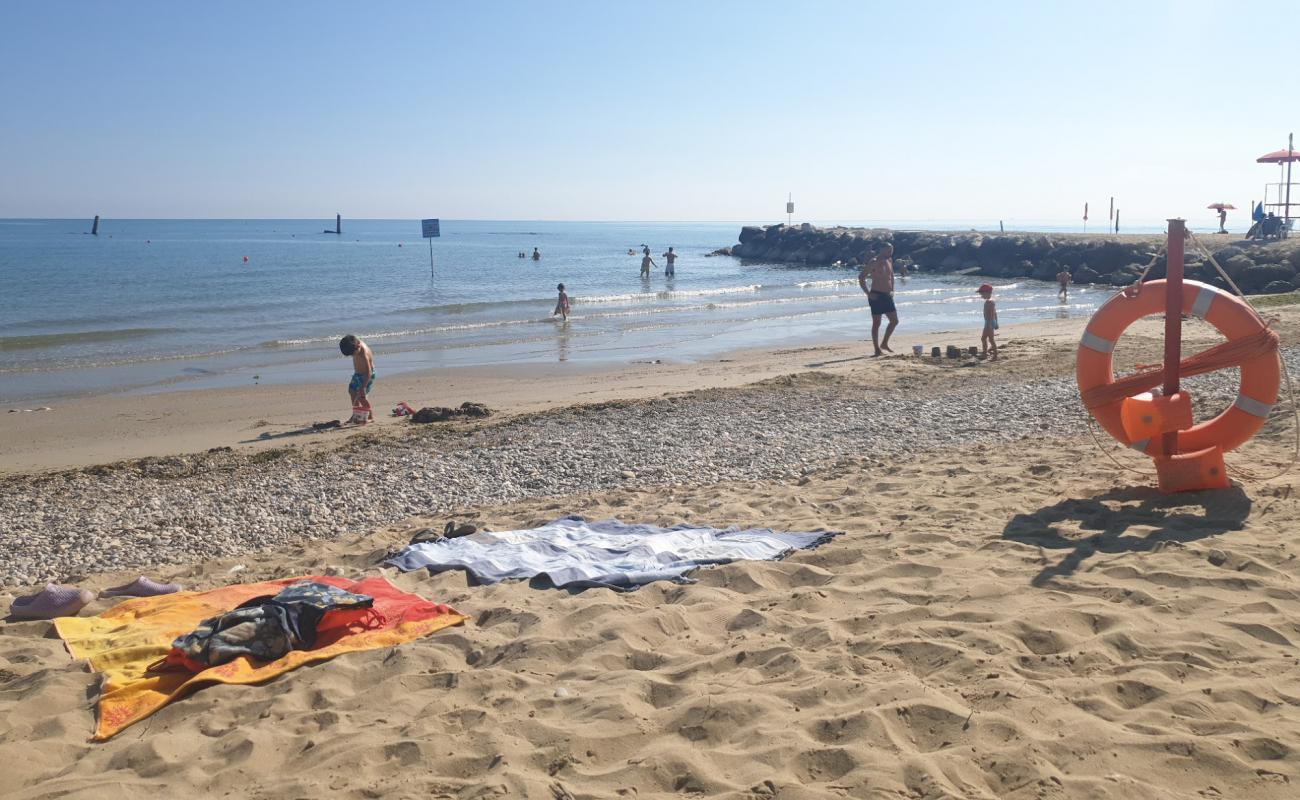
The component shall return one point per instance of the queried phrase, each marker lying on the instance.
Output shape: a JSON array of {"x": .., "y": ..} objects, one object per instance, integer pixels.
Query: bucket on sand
[{"x": 918, "y": 349}]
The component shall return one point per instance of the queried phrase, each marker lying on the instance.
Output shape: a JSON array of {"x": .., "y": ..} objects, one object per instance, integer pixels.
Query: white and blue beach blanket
[{"x": 573, "y": 552}]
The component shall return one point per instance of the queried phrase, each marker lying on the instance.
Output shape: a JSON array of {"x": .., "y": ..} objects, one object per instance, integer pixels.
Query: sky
[{"x": 611, "y": 110}]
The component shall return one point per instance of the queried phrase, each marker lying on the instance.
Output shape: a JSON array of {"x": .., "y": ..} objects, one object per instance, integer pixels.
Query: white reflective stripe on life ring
[
  {"x": 1094, "y": 342},
  {"x": 1252, "y": 406},
  {"x": 1203, "y": 300}
]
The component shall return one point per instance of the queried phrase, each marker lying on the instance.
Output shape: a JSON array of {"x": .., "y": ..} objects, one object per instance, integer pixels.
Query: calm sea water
[{"x": 152, "y": 305}]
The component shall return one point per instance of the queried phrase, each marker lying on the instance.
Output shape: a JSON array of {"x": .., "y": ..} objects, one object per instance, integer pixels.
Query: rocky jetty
[{"x": 1116, "y": 260}]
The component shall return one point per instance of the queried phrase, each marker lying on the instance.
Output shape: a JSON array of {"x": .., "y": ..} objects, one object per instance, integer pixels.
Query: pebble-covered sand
[{"x": 186, "y": 509}]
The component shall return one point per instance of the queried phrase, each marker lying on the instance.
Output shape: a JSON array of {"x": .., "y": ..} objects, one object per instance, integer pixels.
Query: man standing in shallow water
[{"x": 880, "y": 295}]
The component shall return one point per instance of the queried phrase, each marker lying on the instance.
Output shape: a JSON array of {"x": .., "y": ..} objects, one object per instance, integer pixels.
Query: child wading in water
[
  {"x": 562, "y": 304},
  {"x": 987, "y": 339},
  {"x": 363, "y": 377}
]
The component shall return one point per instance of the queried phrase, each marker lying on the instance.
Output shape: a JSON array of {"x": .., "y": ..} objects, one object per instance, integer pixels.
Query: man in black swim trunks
[{"x": 879, "y": 271}]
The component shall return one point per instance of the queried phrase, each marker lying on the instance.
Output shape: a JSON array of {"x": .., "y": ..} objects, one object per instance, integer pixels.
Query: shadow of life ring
[{"x": 1136, "y": 419}]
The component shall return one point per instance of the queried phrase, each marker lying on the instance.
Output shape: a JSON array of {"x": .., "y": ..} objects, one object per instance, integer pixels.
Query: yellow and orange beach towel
[{"x": 123, "y": 641}]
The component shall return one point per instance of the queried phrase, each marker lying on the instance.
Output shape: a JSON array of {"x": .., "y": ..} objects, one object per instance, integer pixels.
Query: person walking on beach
[
  {"x": 536, "y": 255},
  {"x": 646, "y": 263},
  {"x": 1063, "y": 279},
  {"x": 1223, "y": 217},
  {"x": 879, "y": 271},
  {"x": 670, "y": 257},
  {"x": 363, "y": 377},
  {"x": 562, "y": 304},
  {"x": 987, "y": 338}
]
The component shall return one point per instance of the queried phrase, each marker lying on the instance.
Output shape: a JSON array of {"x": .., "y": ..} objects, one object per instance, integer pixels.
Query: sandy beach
[
  {"x": 1008, "y": 613},
  {"x": 671, "y": 522},
  {"x": 105, "y": 428}
]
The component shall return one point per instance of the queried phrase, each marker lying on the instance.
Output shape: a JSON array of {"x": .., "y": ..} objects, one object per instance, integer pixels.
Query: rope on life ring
[{"x": 1286, "y": 373}]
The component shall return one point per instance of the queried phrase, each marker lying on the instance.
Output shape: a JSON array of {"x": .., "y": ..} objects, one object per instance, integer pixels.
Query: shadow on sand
[
  {"x": 319, "y": 427},
  {"x": 820, "y": 364},
  {"x": 1112, "y": 514}
]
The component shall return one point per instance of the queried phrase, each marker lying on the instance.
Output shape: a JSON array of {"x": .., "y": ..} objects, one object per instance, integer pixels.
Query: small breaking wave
[
  {"x": 40, "y": 341},
  {"x": 668, "y": 294}
]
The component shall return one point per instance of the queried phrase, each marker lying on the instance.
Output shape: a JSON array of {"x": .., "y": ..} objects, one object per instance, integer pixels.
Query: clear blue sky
[{"x": 645, "y": 111}]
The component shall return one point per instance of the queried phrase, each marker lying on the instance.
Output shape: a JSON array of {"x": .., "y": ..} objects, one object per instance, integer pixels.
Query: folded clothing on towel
[
  {"x": 574, "y": 552},
  {"x": 124, "y": 641},
  {"x": 264, "y": 628}
]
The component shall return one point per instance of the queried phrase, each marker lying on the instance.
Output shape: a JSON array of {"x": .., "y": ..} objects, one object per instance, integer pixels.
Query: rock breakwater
[{"x": 1116, "y": 260}]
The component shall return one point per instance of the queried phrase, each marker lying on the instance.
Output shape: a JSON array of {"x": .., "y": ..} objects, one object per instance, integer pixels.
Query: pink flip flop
[
  {"x": 50, "y": 602},
  {"x": 141, "y": 587}
]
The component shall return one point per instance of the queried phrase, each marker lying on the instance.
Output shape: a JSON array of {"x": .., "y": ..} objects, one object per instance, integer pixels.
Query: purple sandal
[
  {"x": 50, "y": 602},
  {"x": 141, "y": 587}
]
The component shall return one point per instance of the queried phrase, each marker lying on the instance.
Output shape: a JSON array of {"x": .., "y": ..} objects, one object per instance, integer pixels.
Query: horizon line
[{"x": 840, "y": 221}]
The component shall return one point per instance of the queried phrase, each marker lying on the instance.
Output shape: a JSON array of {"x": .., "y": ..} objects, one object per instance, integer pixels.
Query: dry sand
[{"x": 1023, "y": 623}]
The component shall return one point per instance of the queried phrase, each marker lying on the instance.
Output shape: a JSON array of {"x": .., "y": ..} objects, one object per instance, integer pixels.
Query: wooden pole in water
[
  {"x": 94, "y": 229},
  {"x": 1173, "y": 320},
  {"x": 338, "y": 223}
]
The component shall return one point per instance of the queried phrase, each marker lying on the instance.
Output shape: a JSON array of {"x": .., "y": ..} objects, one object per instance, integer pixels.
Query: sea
[{"x": 166, "y": 305}]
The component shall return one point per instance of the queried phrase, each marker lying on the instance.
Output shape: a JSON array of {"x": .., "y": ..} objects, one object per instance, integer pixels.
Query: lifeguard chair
[{"x": 1281, "y": 204}]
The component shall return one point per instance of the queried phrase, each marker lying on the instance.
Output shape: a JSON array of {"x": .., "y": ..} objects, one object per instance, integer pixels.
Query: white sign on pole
[{"x": 430, "y": 228}]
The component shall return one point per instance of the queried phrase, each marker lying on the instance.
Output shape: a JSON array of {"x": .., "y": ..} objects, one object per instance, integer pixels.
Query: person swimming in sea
[{"x": 670, "y": 258}]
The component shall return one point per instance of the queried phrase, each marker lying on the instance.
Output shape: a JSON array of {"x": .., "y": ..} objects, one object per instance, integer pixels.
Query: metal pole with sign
[{"x": 429, "y": 228}]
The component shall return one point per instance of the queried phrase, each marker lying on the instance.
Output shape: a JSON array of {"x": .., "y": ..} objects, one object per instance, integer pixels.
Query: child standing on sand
[
  {"x": 363, "y": 377},
  {"x": 987, "y": 339},
  {"x": 562, "y": 304}
]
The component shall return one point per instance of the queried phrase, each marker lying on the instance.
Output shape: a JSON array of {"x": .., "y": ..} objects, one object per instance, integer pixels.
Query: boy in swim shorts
[
  {"x": 877, "y": 280},
  {"x": 987, "y": 338},
  {"x": 363, "y": 377}
]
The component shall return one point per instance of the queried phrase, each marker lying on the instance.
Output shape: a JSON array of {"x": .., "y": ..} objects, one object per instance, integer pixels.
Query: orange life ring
[{"x": 1260, "y": 375}]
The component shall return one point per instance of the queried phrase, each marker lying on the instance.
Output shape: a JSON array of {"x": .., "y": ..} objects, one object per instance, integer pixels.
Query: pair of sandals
[
  {"x": 67, "y": 601},
  {"x": 452, "y": 530}
]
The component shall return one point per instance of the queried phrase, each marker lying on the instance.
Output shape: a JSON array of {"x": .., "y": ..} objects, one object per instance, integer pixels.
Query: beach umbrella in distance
[
  {"x": 1279, "y": 157},
  {"x": 1222, "y": 206}
]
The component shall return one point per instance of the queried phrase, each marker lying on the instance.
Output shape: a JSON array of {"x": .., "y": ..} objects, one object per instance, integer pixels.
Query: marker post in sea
[{"x": 429, "y": 229}]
